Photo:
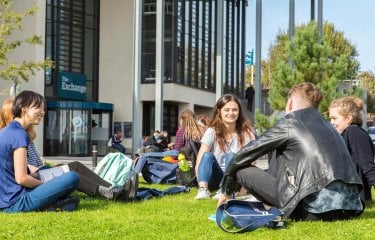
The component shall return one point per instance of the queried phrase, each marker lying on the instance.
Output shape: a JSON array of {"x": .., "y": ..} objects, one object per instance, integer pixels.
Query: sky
[{"x": 356, "y": 18}]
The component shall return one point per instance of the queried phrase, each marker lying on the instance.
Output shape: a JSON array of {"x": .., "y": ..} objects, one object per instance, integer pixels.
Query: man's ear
[{"x": 290, "y": 104}]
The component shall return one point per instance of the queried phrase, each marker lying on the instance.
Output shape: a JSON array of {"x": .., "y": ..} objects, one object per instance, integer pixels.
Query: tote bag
[{"x": 238, "y": 216}]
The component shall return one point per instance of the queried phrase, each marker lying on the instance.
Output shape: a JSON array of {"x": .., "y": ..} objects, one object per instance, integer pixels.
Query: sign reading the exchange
[{"x": 72, "y": 85}]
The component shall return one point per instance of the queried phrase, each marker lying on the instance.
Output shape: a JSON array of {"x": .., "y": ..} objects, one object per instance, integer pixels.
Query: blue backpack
[
  {"x": 155, "y": 170},
  {"x": 115, "y": 168}
]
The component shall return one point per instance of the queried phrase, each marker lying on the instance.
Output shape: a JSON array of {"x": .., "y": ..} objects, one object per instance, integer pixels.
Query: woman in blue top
[{"x": 19, "y": 191}]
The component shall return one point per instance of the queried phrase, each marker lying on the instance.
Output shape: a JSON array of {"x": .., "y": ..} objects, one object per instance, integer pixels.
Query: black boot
[
  {"x": 131, "y": 188},
  {"x": 111, "y": 193}
]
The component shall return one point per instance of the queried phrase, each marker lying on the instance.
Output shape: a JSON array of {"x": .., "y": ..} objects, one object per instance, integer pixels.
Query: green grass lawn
[{"x": 170, "y": 217}]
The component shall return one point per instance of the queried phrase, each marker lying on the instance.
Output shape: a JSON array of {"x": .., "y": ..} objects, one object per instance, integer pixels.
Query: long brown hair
[
  {"x": 7, "y": 117},
  {"x": 189, "y": 122},
  {"x": 243, "y": 125}
]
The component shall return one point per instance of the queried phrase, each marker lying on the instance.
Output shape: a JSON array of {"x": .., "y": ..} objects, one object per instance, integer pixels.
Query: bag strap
[
  {"x": 194, "y": 147},
  {"x": 273, "y": 212}
]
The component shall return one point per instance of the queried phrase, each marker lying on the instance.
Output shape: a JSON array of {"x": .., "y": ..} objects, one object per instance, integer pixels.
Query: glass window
[
  {"x": 100, "y": 130},
  {"x": 72, "y": 42},
  {"x": 67, "y": 132},
  {"x": 170, "y": 118}
]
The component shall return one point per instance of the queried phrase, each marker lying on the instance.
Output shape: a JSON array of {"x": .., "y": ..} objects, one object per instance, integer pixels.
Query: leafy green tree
[
  {"x": 323, "y": 61},
  {"x": 368, "y": 82},
  {"x": 11, "y": 21},
  {"x": 263, "y": 122},
  {"x": 269, "y": 65}
]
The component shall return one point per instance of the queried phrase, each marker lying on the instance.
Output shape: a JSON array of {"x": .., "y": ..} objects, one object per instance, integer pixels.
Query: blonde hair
[
  {"x": 189, "y": 122},
  {"x": 7, "y": 117},
  {"x": 309, "y": 92},
  {"x": 349, "y": 106}
]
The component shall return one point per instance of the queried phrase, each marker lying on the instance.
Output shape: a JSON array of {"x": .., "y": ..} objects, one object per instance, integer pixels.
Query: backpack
[
  {"x": 115, "y": 168},
  {"x": 156, "y": 170},
  {"x": 190, "y": 151}
]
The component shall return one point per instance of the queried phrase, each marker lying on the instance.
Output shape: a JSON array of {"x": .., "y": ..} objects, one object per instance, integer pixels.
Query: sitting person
[
  {"x": 90, "y": 183},
  {"x": 115, "y": 141},
  {"x": 154, "y": 142},
  {"x": 166, "y": 141},
  {"x": 228, "y": 131},
  {"x": 188, "y": 130},
  {"x": 315, "y": 177},
  {"x": 346, "y": 117},
  {"x": 19, "y": 191}
]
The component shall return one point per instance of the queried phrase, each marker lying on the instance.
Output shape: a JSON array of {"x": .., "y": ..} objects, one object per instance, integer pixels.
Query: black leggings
[{"x": 259, "y": 183}]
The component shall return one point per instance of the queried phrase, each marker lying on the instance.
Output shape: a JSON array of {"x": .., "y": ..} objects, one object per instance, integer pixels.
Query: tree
[
  {"x": 368, "y": 82},
  {"x": 11, "y": 21},
  {"x": 323, "y": 61},
  {"x": 269, "y": 65}
]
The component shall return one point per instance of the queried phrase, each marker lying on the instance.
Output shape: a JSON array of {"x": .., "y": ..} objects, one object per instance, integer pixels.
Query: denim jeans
[
  {"x": 209, "y": 170},
  {"x": 45, "y": 194},
  {"x": 119, "y": 147}
]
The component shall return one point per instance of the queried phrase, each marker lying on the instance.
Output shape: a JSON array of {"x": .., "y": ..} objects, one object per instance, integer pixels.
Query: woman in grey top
[{"x": 228, "y": 131}]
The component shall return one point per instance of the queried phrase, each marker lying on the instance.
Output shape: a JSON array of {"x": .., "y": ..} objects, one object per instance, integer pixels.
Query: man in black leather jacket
[{"x": 314, "y": 177}]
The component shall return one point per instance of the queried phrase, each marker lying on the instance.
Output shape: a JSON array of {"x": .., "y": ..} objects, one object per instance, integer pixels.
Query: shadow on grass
[{"x": 369, "y": 212}]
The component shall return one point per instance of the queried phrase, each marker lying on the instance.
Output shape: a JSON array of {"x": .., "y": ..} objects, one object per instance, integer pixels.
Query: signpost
[{"x": 249, "y": 60}]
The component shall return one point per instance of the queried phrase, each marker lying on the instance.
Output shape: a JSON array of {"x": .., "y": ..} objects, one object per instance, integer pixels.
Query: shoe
[
  {"x": 67, "y": 204},
  {"x": 117, "y": 193},
  {"x": 134, "y": 189},
  {"x": 131, "y": 188},
  {"x": 202, "y": 194},
  {"x": 217, "y": 195}
]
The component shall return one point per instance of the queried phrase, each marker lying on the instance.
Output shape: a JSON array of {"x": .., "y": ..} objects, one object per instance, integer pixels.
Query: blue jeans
[
  {"x": 209, "y": 170},
  {"x": 45, "y": 194},
  {"x": 119, "y": 147}
]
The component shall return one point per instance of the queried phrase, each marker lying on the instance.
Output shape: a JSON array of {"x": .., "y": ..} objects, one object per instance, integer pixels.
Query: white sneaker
[
  {"x": 217, "y": 195},
  {"x": 202, "y": 194}
]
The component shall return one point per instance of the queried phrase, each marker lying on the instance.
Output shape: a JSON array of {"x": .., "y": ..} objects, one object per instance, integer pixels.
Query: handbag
[{"x": 237, "y": 216}]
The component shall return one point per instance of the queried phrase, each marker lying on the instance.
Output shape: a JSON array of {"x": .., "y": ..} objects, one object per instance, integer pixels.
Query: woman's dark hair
[{"x": 26, "y": 99}]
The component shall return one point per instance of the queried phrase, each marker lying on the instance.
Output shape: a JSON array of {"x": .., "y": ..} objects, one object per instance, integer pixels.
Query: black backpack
[{"x": 189, "y": 178}]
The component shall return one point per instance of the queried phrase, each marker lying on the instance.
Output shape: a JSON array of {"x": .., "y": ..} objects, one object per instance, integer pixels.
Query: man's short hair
[{"x": 309, "y": 92}]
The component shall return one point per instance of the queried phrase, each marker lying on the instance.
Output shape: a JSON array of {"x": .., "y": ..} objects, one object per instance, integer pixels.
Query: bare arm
[
  {"x": 32, "y": 168},
  {"x": 20, "y": 169}
]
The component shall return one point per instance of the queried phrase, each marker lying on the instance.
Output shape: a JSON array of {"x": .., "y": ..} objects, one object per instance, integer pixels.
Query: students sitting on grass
[
  {"x": 90, "y": 183},
  {"x": 315, "y": 177},
  {"x": 19, "y": 191}
]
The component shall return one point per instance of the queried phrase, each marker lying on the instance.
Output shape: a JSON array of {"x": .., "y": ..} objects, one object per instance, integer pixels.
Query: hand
[{"x": 223, "y": 199}]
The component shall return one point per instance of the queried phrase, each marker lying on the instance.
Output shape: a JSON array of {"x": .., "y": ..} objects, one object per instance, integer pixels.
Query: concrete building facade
[{"x": 91, "y": 88}]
